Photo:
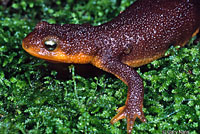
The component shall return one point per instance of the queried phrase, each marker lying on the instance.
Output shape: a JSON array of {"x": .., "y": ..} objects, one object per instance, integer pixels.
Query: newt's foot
[{"x": 130, "y": 115}]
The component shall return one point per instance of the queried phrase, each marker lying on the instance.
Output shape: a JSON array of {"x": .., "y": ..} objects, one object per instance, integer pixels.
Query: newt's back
[{"x": 152, "y": 26}]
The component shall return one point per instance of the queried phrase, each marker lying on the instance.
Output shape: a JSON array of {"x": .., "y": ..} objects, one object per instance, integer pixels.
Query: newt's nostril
[{"x": 24, "y": 45}]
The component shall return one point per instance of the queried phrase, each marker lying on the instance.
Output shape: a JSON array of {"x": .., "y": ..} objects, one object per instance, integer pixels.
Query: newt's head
[{"x": 54, "y": 42}]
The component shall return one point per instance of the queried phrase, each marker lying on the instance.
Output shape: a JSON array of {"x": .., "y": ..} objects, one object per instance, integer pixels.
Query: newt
[{"x": 137, "y": 36}]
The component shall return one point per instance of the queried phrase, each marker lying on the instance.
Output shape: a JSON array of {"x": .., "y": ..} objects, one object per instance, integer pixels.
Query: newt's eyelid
[{"x": 50, "y": 45}]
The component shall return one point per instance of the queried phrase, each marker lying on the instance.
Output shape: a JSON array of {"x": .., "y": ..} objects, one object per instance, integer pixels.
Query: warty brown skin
[{"x": 137, "y": 36}]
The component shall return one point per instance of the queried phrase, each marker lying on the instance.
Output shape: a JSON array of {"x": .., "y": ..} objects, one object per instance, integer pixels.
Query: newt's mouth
[
  {"x": 58, "y": 55},
  {"x": 42, "y": 53}
]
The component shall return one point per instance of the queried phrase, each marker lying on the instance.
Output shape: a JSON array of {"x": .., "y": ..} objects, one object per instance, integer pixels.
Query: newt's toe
[
  {"x": 123, "y": 112},
  {"x": 120, "y": 115},
  {"x": 131, "y": 120}
]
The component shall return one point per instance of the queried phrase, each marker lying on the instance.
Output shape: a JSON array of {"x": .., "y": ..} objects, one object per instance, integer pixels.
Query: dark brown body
[
  {"x": 139, "y": 35},
  {"x": 150, "y": 28}
]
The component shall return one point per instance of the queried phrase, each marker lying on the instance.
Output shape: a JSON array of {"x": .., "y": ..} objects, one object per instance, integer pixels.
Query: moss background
[{"x": 36, "y": 97}]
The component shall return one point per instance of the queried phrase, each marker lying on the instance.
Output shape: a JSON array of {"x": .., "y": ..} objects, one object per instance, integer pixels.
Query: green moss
[{"x": 33, "y": 99}]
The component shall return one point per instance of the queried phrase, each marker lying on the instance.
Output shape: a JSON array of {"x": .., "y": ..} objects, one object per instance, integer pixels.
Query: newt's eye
[{"x": 50, "y": 45}]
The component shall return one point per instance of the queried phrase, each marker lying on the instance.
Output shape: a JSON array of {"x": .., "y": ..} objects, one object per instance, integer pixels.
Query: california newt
[{"x": 140, "y": 34}]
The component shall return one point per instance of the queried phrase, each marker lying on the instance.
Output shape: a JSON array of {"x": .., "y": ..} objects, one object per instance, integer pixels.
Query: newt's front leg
[{"x": 134, "y": 103}]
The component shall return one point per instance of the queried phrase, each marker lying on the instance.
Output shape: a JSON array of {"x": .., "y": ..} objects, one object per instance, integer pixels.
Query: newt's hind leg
[
  {"x": 198, "y": 37},
  {"x": 186, "y": 41},
  {"x": 196, "y": 32}
]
